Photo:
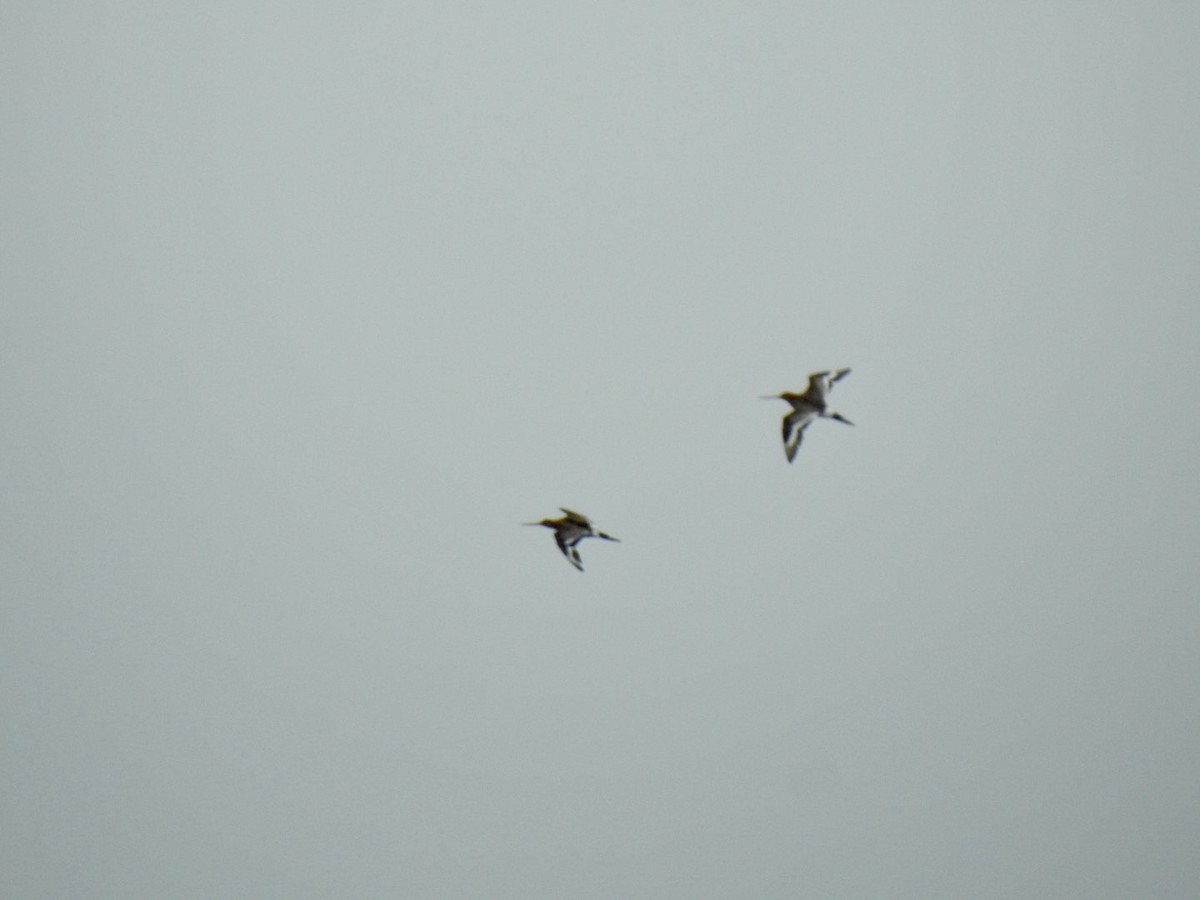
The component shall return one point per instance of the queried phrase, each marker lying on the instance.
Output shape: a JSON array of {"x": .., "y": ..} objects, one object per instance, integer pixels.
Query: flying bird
[
  {"x": 569, "y": 531},
  {"x": 806, "y": 407}
]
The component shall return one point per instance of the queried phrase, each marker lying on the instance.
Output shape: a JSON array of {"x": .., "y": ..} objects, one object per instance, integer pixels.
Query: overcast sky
[{"x": 305, "y": 307}]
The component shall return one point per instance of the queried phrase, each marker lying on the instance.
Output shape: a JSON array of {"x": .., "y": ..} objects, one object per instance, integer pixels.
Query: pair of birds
[{"x": 573, "y": 527}]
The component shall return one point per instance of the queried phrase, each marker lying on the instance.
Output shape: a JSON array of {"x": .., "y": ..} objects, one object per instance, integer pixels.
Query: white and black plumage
[
  {"x": 569, "y": 531},
  {"x": 808, "y": 406}
]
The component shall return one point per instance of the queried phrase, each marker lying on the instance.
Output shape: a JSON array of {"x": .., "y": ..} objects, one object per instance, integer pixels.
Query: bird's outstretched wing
[
  {"x": 819, "y": 384},
  {"x": 577, "y": 518},
  {"x": 566, "y": 543},
  {"x": 794, "y": 424}
]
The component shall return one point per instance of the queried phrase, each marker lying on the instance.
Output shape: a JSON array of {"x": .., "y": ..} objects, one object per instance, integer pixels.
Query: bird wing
[
  {"x": 566, "y": 543},
  {"x": 818, "y": 387},
  {"x": 577, "y": 518},
  {"x": 820, "y": 382},
  {"x": 794, "y": 424}
]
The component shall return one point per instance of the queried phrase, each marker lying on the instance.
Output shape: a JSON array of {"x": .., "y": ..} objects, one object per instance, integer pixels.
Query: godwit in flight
[
  {"x": 806, "y": 407},
  {"x": 569, "y": 531}
]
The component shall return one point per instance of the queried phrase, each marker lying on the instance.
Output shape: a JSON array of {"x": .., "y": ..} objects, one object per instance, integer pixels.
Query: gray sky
[{"x": 304, "y": 308}]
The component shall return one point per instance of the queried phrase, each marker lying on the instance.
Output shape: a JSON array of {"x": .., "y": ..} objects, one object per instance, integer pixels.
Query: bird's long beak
[{"x": 768, "y": 396}]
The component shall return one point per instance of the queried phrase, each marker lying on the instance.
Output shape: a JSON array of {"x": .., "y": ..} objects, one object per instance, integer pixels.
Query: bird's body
[
  {"x": 807, "y": 407},
  {"x": 569, "y": 531}
]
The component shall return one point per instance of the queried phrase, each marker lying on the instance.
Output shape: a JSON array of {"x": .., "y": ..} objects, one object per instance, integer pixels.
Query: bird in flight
[
  {"x": 806, "y": 407},
  {"x": 569, "y": 531}
]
